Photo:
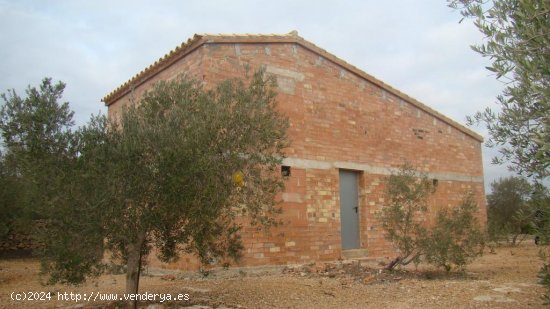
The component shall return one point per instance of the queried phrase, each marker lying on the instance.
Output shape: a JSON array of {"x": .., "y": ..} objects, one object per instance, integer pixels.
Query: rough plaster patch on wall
[
  {"x": 293, "y": 197},
  {"x": 286, "y": 79},
  {"x": 342, "y": 74},
  {"x": 286, "y": 85},
  {"x": 298, "y": 76},
  {"x": 384, "y": 94},
  {"x": 212, "y": 47},
  {"x": 294, "y": 50},
  {"x": 319, "y": 61}
]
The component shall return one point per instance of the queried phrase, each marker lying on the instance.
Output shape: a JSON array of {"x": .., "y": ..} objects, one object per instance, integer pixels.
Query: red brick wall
[
  {"x": 337, "y": 120},
  {"x": 191, "y": 66}
]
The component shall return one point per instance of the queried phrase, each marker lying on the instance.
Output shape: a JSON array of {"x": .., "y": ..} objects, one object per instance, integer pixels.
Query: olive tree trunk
[{"x": 133, "y": 267}]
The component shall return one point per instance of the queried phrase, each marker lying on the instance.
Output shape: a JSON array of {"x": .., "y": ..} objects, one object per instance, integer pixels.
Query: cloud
[{"x": 94, "y": 46}]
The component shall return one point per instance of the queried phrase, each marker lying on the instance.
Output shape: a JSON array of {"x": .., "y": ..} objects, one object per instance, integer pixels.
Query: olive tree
[
  {"x": 180, "y": 170},
  {"x": 184, "y": 162},
  {"x": 10, "y": 197},
  {"x": 71, "y": 236},
  {"x": 407, "y": 192},
  {"x": 509, "y": 212},
  {"x": 517, "y": 42},
  {"x": 454, "y": 239},
  {"x": 35, "y": 134},
  {"x": 51, "y": 176}
]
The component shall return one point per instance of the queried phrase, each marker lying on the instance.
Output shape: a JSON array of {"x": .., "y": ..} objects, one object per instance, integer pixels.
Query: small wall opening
[
  {"x": 285, "y": 171},
  {"x": 435, "y": 183}
]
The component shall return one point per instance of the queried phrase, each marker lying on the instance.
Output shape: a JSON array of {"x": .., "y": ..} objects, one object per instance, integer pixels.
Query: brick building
[{"x": 349, "y": 131}]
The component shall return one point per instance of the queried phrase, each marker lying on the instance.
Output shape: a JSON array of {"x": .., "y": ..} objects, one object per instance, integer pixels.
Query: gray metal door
[{"x": 349, "y": 209}]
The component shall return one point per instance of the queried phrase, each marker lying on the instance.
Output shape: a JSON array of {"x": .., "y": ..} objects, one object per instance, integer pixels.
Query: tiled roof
[{"x": 199, "y": 39}]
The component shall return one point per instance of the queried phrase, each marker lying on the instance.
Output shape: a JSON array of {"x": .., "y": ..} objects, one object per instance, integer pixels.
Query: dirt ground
[{"x": 504, "y": 279}]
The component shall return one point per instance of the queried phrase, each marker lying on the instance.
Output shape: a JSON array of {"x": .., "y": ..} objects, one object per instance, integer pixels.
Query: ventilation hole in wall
[
  {"x": 285, "y": 171},
  {"x": 420, "y": 133}
]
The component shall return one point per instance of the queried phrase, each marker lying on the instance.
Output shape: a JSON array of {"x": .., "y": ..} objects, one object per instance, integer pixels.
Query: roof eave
[{"x": 152, "y": 70}]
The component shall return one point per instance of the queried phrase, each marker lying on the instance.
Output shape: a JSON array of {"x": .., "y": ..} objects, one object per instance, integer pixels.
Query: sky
[{"x": 417, "y": 46}]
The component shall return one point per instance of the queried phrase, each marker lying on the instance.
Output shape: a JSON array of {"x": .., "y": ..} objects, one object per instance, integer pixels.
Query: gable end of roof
[{"x": 200, "y": 39}]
